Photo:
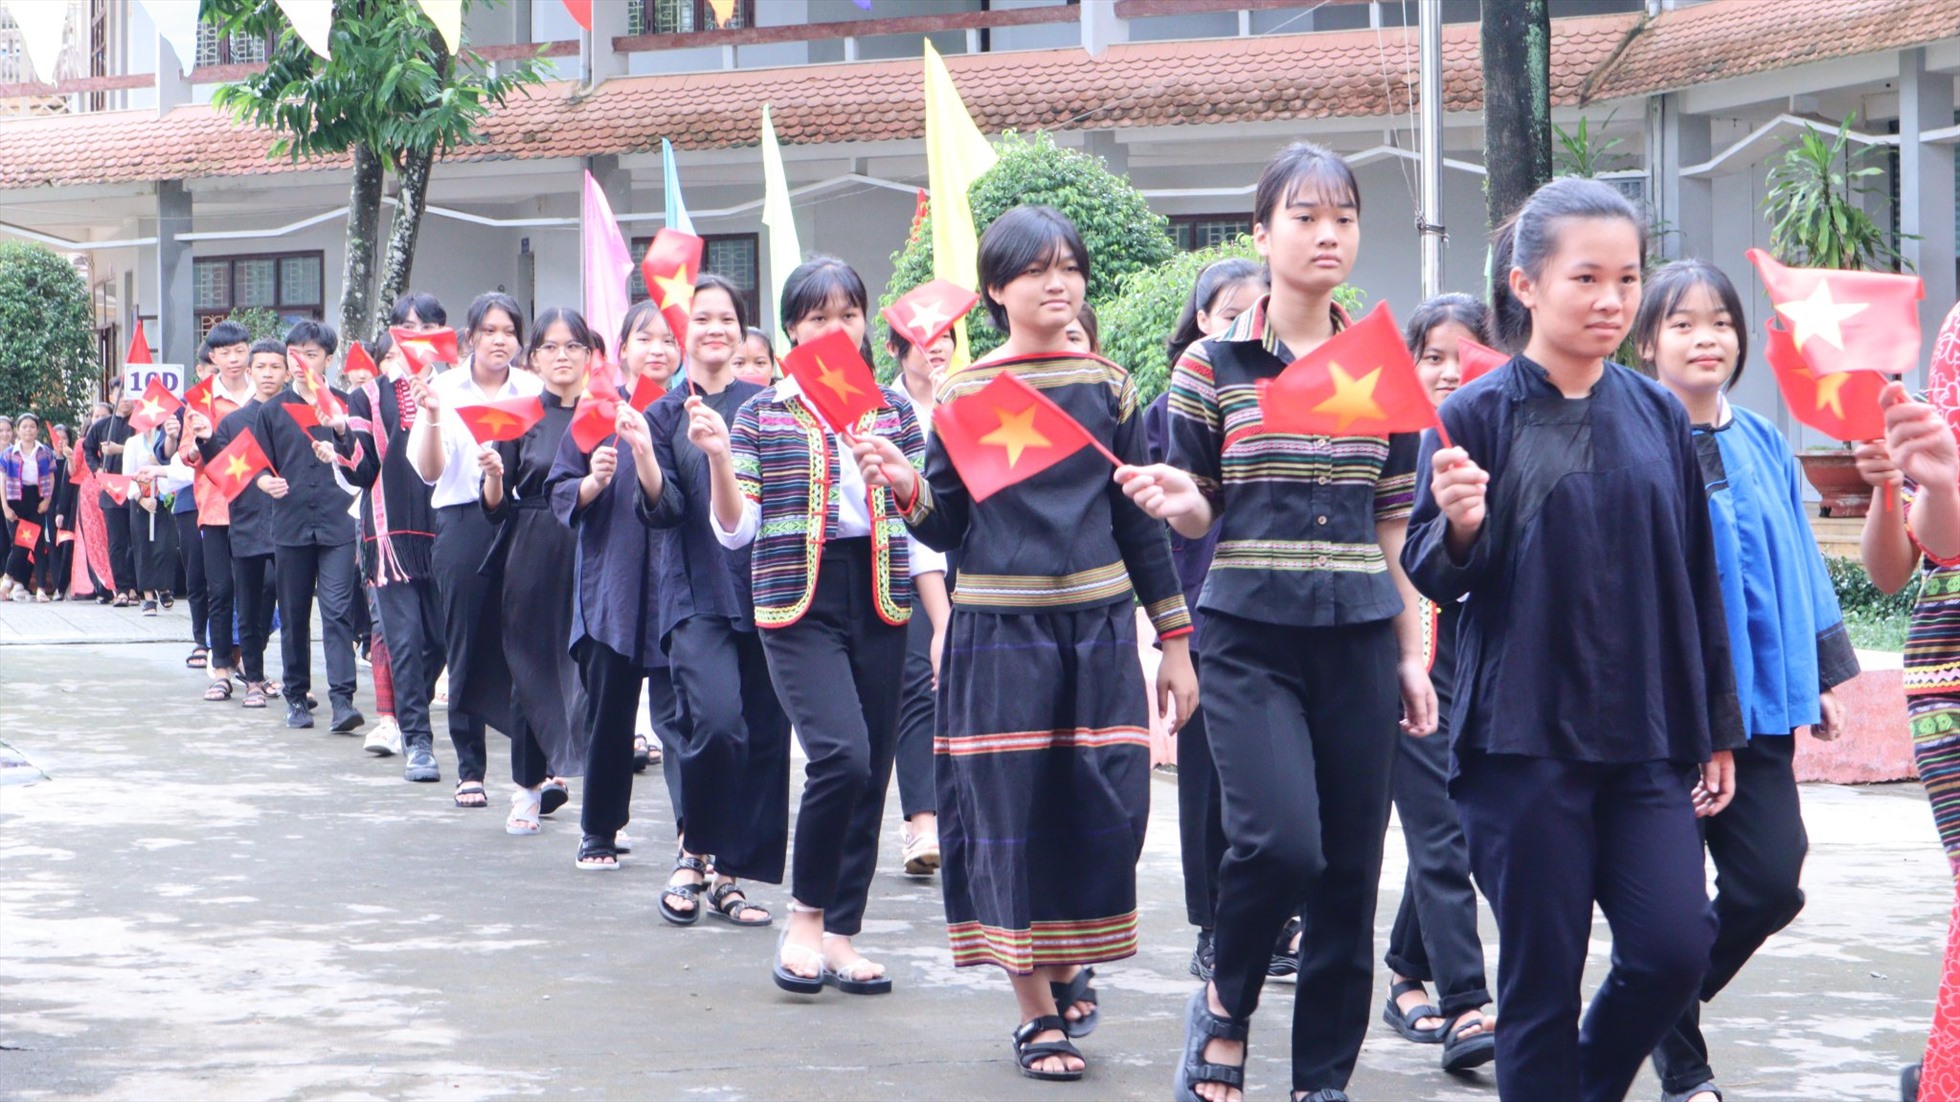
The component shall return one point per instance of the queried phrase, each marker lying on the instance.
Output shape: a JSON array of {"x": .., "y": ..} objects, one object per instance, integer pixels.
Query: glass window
[
  {"x": 299, "y": 280},
  {"x": 255, "y": 282},
  {"x": 733, "y": 256},
  {"x": 1202, "y": 231},
  {"x": 211, "y": 283},
  {"x": 685, "y": 16}
]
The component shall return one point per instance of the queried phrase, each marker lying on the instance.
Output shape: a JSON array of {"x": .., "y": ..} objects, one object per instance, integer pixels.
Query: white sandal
[{"x": 524, "y": 812}]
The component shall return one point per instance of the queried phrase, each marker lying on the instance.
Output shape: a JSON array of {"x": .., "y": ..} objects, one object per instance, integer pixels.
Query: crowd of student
[{"x": 1602, "y": 593}]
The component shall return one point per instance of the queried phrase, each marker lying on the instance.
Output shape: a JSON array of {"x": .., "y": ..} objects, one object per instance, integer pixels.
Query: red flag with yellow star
[
  {"x": 233, "y": 469},
  {"x": 303, "y": 415},
  {"x": 1363, "y": 382},
  {"x": 358, "y": 360},
  {"x": 593, "y": 421},
  {"x": 154, "y": 407},
  {"x": 204, "y": 399},
  {"x": 1846, "y": 321},
  {"x": 437, "y": 346},
  {"x": 646, "y": 392},
  {"x": 926, "y": 312},
  {"x": 27, "y": 534},
  {"x": 1005, "y": 432},
  {"x": 1841, "y": 404},
  {"x": 1474, "y": 359},
  {"x": 834, "y": 379},
  {"x": 672, "y": 263},
  {"x": 507, "y": 419},
  {"x": 118, "y": 487}
]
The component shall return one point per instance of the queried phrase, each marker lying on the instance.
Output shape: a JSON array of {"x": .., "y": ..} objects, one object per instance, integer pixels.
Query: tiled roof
[
  {"x": 1717, "y": 41},
  {"x": 1210, "y": 82}
]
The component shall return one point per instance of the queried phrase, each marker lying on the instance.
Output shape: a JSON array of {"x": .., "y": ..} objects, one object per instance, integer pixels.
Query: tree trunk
[
  {"x": 1516, "y": 37},
  {"x": 363, "y": 228},
  {"x": 409, "y": 202}
]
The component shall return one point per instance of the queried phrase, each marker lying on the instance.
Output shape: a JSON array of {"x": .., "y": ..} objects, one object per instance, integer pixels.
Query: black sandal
[
  {"x": 1201, "y": 1027},
  {"x": 471, "y": 794},
  {"x": 596, "y": 854},
  {"x": 1462, "y": 1053},
  {"x": 1075, "y": 991},
  {"x": 219, "y": 690},
  {"x": 640, "y": 753},
  {"x": 1286, "y": 959},
  {"x": 1028, "y": 1052},
  {"x": 1405, "y": 1022},
  {"x": 552, "y": 796},
  {"x": 728, "y": 901},
  {"x": 198, "y": 659},
  {"x": 689, "y": 892}
]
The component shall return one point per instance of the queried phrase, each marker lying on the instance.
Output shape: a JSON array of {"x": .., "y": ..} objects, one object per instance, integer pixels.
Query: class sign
[{"x": 136, "y": 378}]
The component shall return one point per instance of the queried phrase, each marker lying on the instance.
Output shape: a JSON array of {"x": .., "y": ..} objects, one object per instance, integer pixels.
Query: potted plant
[{"x": 1817, "y": 221}]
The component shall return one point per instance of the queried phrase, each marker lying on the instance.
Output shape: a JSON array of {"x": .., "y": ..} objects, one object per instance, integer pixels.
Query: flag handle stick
[
  {"x": 1444, "y": 433},
  {"x": 1106, "y": 453},
  {"x": 1891, "y": 497}
]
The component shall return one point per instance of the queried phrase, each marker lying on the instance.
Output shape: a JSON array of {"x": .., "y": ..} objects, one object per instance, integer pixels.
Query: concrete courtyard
[{"x": 198, "y": 903}]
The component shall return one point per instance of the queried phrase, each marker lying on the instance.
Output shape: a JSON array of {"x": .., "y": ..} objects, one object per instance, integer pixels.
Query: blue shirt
[{"x": 1786, "y": 633}]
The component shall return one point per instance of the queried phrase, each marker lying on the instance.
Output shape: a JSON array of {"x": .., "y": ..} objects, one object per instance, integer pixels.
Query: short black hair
[
  {"x": 1661, "y": 295},
  {"x": 814, "y": 284},
  {"x": 1018, "y": 240},
  {"x": 227, "y": 333},
  {"x": 1465, "y": 310},
  {"x": 204, "y": 352},
  {"x": 425, "y": 306},
  {"x": 575, "y": 321},
  {"x": 1304, "y": 167},
  {"x": 314, "y": 332},
  {"x": 260, "y": 348},
  {"x": 708, "y": 280},
  {"x": 480, "y": 309}
]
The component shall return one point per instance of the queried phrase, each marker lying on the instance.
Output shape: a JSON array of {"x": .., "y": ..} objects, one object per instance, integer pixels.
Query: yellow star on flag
[
  {"x": 235, "y": 468},
  {"x": 1829, "y": 389},
  {"x": 496, "y": 420},
  {"x": 676, "y": 289},
  {"x": 928, "y": 316},
  {"x": 1352, "y": 399},
  {"x": 835, "y": 379},
  {"x": 1818, "y": 316},
  {"x": 1016, "y": 433}
]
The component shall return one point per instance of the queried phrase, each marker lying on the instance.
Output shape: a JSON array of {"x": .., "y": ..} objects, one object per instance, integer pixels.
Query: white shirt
[
  {"x": 853, "y": 508},
  {"x": 462, "y": 479}
]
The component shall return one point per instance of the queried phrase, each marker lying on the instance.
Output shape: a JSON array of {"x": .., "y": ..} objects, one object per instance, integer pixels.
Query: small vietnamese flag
[
  {"x": 324, "y": 399},
  {"x": 63, "y": 536},
  {"x": 602, "y": 380},
  {"x": 139, "y": 347},
  {"x": 203, "y": 399},
  {"x": 304, "y": 415},
  {"x": 672, "y": 263},
  {"x": 233, "y": 469},
  {"x": 358, "y": 360},
  {"x": 834, "y": 379},
  {"x": 437, "y": 346},
  {"x": 154, "y": 407},
  {"x": 593, "y": 421},
  {"x": 1841, "y": 404},
  {"x": 507, "y": 419},
  {"x": 27, "y": 534},
  {"x": 118, "y": 487},
  {"x": 925, "y": 313},
  {"x": 1846, "y": 321},
  {"x": 581, "y": 12},
  {"x": 646, "y": 392},
  {"x": 1360, "y": 383},
  {"x": 919, "y": 213},
  {"x": 1475, "y": 359},
  {"x": 1005, "y": 432}
]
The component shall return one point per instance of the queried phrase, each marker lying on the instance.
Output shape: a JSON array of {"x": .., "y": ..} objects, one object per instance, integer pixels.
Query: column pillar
[
  {"x": 1685, "y": 206},
  {"x": 597, "y": 59},
  {"x": 1926, "y": 187},
  {"x": 176, "y": 321}
]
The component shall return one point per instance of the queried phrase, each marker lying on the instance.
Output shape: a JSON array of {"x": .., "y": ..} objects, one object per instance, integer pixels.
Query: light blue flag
[{"x": 676, "y": 210}]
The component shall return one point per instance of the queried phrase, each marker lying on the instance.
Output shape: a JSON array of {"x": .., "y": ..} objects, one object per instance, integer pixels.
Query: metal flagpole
[{"x": 1430, "y": 89}]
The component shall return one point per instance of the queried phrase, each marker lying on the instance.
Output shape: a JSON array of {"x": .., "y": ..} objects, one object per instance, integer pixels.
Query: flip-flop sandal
[
  {"x": 523, "y": 817},
  {"x": 1404, "y": 1022},
  {"x": 198, "y": 659},
  {"x": 1075, "y": 991},
  {"x": 471, "y": 794},
  {"x": 641, "y": 753},
  {"x": 552, "y": 797},
  {"x": 1028, "y": 1052},
  {"x": 219, "y": 690},
  {"x": 1200, "y": 1027},
  {"x": 595, "y": 855},
  {"x": 689, "y": 892},
  {"x": 1463, "y": 1053},
  {"x": 727, "y": 901},
  {"x": 844, "y": 980},
  {"x": 790, "y": 981}
]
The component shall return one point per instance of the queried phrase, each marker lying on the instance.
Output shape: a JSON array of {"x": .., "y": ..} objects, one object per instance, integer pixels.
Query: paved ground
[{"x": 199, "y": 903}]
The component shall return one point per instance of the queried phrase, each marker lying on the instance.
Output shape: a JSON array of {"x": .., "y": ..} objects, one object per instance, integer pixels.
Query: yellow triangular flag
[
  {"x": 785, "y": 253},
  {"x": 724, "y": 11},
  {"x": 956, "y": 155},
  {"x": 312, "y": 20},
  {"x": 447, "y": 15}
]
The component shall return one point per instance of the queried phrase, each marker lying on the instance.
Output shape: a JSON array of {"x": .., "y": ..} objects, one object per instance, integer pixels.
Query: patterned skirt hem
[{"x": 1048, "y": 943}]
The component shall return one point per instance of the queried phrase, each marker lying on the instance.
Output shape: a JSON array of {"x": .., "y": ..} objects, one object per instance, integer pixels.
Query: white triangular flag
[
  {"x": 312, "y": 20},
  {"x": 447, "y": 15},
  {"x": 43, "y": 24},
  {"x": 176, "y": 23}
]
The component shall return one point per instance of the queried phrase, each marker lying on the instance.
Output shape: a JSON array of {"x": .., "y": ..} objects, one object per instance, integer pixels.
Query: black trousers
[
  {"x": 190, "y": 558},
  {"x": 612, "y": 696},
  {"x": 254, "y": 585},
  {"x": 1304, "y": 732},
  {"x": 411, "y": 625},
  {"x": 328, "y": 573},
  {"x": 1435, "y": 933},
  {"x": 470, "y": 597},
  {"x": 31, "y": 567},
  {"x": 152, "y": 547},
  {"x": 220, "y": 593},
  {"x": 1200, "y": 821},
  {"x": 837, "y": 671},
  {"x": 1547, "y": 839},
  {"x": 122, "y": 563},
  {"x": 734, "y": 749},
  {"x": 1758, "y": 843},
  {"x": 663, "y": 715},
  {"x": 916, "y": 795}
]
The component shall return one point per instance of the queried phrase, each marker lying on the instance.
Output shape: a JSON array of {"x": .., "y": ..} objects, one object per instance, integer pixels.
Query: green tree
[
  {"x": 48, "y": 360},
  {"x": 393, "y": 96},
  {"x": 261, "y": 323},
  {"x": 1123, "y": 234}
]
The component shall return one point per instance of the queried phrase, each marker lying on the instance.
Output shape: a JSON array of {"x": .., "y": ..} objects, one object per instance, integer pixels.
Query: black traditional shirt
[
  {"x": 698, "y": 576},
  {"x": 250, "y": 513},
  {"x": 314, "y": 510},
  {"x": 618, "y": 568}
]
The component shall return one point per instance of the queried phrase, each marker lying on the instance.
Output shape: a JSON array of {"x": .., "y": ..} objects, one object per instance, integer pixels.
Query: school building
[{"x": 178, "y": 215}]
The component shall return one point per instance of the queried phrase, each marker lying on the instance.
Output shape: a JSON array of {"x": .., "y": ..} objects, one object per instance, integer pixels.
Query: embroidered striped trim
[
  {"x": 1297, "y": 555},
  {"x": 1061, "y": 738},
  {"x": 1021, "y": 951},
  {"x": 1169, "y": 616},
  {"x": 1096, "y": 585}
]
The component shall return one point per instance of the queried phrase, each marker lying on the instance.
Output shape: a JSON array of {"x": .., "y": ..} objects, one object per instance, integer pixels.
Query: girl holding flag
[
  {"x": 832, "y": 581},
  {"x": 1313, "y": 643},
  {"x": 649, "y": 356},
  {"x": 1044, "y": 789}
]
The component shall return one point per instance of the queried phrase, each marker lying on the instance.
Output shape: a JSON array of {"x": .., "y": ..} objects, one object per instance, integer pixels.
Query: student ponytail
[{"x": 1528, "y": 238}]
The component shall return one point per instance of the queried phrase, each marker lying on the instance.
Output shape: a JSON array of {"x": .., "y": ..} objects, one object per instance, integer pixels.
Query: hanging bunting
[
  {"x": 43, "y": 24},
  {"x": 447, "y": 15},
  {"x": 176, "y": 23},
  {"x": 724, "y": 11},
  {"x": 312, "y": 20}
]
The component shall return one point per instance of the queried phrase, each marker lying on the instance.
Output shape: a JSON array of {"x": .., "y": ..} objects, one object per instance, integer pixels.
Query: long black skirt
[{"x": 546, "y": 696}]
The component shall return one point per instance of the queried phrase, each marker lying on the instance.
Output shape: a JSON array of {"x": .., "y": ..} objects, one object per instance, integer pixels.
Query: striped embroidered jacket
[
  {"x": 1067, "y": 538},
  {"x": 1297, "y": 544},
  {"x": 788, "y": 466}
]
